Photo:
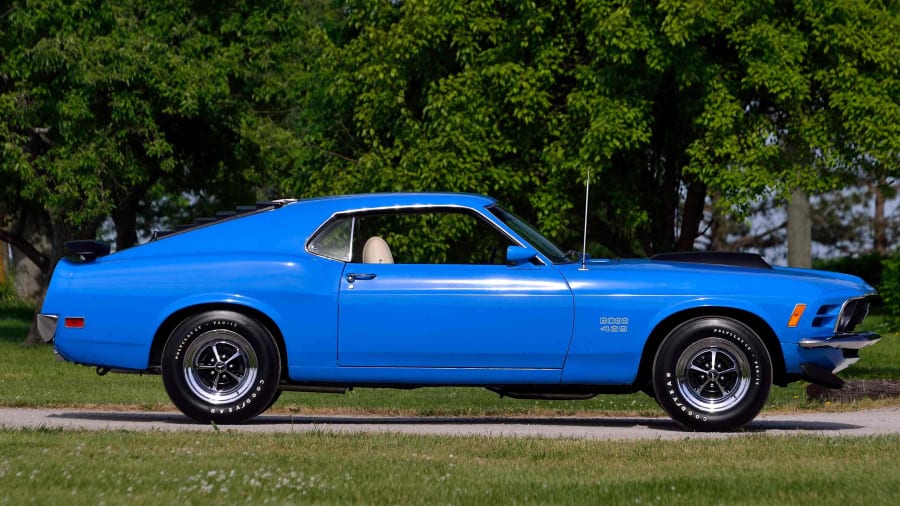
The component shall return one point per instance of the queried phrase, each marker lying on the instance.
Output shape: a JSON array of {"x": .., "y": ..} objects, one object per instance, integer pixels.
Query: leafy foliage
[
  {"x": 123, "y": 108},
  {"x": 889, "y": 288},
  {"x": 664, "y": 102},
  {"x": 110, "y": 106}
]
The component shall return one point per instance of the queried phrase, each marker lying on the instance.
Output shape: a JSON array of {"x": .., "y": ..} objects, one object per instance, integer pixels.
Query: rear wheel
[
  {"x": 712, "y": 374},
  {"x": 221, "y": 367}
]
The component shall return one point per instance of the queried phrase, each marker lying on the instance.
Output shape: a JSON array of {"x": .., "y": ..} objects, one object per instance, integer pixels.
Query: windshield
[{"x": 535, "y": 239}]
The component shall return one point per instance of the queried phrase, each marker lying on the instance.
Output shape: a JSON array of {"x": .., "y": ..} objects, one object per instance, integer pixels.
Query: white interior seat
[{"x": 377, "y": 251}]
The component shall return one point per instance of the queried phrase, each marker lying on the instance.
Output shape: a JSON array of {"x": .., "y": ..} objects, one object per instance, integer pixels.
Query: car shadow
[{"x": 659, "y": 424}]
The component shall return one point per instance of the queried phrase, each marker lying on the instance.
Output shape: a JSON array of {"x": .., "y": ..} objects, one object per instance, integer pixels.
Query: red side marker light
[{"x": 74, "y": 322}]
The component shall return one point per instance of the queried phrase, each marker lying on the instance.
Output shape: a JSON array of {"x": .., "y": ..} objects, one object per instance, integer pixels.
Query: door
[
  {"x": 431, "y": 287},
  {"x": 454, "y": 315}
]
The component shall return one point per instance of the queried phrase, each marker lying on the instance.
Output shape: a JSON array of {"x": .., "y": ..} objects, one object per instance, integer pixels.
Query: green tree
[
  {"x": 672, "y": 105},
  {"x": 108, "y": 107},
  {"x": 667, "y": 102}
]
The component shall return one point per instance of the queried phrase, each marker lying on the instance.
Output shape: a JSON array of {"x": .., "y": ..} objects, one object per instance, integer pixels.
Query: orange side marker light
[{"x": 795, "y": 316}]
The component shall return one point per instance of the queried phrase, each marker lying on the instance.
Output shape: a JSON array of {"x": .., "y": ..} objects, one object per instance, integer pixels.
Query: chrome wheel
[
  {"x": 713, "y": 375},
  {"x": 220, "y": 366}
]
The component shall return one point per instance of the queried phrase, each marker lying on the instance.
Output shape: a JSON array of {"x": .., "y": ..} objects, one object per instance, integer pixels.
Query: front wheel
[
  {"x": 712, "y": 374},
  {"x": 221, "y": 367}
]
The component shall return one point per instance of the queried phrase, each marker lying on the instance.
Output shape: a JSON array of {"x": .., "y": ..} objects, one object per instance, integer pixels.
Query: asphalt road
[{"x": 855, "y": 423}]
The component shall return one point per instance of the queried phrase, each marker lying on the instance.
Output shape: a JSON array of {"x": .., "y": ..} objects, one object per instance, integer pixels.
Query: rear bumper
[{"x": 46, "y": 326}]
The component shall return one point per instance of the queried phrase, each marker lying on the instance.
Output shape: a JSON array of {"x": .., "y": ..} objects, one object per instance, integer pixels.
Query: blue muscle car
[{"x": 434, "y": 289}]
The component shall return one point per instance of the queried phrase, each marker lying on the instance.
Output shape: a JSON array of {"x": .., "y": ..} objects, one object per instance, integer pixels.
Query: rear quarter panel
[{"x": 257, "y": 262}]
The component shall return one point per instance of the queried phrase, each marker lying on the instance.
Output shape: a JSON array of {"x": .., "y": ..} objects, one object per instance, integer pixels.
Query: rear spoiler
[
  {"x": 88, "y": 250},
  {"x": 222, "y": 216}
]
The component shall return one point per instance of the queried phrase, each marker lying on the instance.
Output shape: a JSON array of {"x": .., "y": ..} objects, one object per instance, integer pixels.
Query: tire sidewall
[
  {"x": 681, "y": 409},
  {"x": 254, "y": 401}
]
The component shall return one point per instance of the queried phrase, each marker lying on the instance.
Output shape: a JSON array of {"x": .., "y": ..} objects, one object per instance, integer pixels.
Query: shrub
[
  {"x": 868, "y": 266},
  {"x": 6, "y": 291},
  {"x": 889, "y": 289}
]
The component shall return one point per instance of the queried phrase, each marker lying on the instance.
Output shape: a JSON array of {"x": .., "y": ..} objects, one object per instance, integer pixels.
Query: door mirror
[{"x": 516, "y": 255}]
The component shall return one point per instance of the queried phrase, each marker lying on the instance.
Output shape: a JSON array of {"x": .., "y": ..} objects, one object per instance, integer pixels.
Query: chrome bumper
[
  {"x": 842, "y": 341},
  {"x": 850, "y": 344},
  {"x": 46, "y": 326}
]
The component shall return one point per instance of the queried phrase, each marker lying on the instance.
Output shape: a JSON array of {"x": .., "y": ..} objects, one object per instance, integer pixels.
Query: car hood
[{"x": 646, "y": 276}]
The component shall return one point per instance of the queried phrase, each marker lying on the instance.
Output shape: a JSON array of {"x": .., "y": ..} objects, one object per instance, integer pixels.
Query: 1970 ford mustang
[{"x": 435, "y": 289}]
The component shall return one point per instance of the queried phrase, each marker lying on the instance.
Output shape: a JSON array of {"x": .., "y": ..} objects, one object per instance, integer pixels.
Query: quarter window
[{"x": 334, "y": 240}]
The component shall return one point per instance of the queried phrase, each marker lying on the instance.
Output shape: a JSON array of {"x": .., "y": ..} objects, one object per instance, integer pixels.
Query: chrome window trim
[{"x": 354, "y": 214}]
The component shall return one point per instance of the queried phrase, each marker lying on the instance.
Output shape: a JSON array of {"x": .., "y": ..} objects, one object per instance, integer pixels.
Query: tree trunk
[
  {"x": 125, "y": 219},
  {"x": 125, "y": 214},
  {"x": 718, "y": 228},
  {"x": 879, "y": 225},
  {"x": 3, "y": 252},
  {"x": 694, "y": 205},
  {"x": 799, "y": 230},
  {"x": 33, "y": 336},
  {"x": 25, "y": 247}
]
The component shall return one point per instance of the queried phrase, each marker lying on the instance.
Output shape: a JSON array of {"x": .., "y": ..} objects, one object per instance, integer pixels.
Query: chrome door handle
[{"x": 352, "y": 278}]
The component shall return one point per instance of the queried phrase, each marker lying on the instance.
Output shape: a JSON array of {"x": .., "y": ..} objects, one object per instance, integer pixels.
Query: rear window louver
[{"x": 222, "y": 216}]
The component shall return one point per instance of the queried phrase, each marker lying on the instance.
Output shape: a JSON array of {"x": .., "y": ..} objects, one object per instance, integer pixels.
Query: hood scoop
[{"x": 748, "y": 260}]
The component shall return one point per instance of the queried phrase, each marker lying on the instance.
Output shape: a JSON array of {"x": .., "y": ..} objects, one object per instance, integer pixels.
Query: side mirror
[{"x": 516, "y": 255}]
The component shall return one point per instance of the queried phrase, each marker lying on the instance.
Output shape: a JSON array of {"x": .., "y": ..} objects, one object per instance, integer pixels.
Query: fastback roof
[{"x": 401, "y": 199}]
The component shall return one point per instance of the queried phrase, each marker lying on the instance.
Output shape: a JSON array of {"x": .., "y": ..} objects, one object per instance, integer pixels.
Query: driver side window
[
  {"x": 432, "y": 236},
  {"x": 435, "y": 237}
]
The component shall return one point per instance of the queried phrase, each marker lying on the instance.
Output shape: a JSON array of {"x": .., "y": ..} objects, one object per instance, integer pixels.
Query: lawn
[
  {"x": 116, "y": 467},
  {"x": 65, "y": 467}
]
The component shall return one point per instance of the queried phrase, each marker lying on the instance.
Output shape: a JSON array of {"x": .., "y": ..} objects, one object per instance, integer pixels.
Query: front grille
[{"x": 853, "y": 312}]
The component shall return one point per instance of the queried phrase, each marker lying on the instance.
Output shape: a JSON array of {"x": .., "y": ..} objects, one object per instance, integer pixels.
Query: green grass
[
  {"x": 65, "y": 467},
  {"x": 31, "y": 377},
  {"x": 15, "y": 318},
  {"x": 116, "y": 467},
  {"x": 881, "y": 361}
]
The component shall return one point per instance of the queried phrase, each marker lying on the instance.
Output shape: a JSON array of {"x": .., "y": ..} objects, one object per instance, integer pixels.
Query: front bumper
[
  {"x": 843, "y": 341},
  {"x": 848, "y": 344}
]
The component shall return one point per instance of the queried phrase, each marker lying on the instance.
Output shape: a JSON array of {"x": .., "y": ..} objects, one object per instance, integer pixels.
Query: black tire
[
  {"x": 221, "y": 367},
  {"x": 712, "y": 374}
]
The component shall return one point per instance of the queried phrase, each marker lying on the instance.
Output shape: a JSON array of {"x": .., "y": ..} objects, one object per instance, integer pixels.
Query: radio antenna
[{"x": 587, "y": 193}]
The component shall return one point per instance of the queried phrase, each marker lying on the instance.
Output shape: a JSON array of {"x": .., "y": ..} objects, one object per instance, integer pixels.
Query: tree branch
[
  {"x": 754, "y": 239},
  {"x": 30, "y": 252}
]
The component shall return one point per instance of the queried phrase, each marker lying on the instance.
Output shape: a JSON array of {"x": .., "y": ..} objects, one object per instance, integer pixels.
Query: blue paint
[{"x": 529, "y": 323}]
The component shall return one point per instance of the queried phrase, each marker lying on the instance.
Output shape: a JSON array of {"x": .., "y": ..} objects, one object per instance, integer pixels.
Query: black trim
[
  {"x": 88, "y": 249},
  {"x": 819, "y": 375},
  {"x": 222, "y": 216},
  {"x": 749, "y": 260}
]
